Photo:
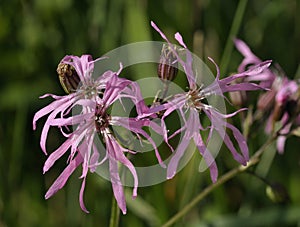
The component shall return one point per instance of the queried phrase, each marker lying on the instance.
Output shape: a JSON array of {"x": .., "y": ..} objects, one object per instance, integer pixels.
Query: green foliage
[{"x": 36, "y": 34}]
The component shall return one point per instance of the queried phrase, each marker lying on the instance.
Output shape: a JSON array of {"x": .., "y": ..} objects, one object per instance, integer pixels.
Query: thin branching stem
[{"x": 229, "y": 175}]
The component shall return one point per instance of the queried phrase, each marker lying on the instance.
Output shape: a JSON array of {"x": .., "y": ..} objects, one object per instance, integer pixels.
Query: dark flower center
[
  {"x": 195, "y": 99},
  {"x": 101, "y": 118}
]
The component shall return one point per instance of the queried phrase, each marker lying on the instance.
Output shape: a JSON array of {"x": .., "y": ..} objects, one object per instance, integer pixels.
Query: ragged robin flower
[
  {"x": 280, "y": 103},
  {"x": 93, "y": 97},
  {"x": 191, "y": 103}
]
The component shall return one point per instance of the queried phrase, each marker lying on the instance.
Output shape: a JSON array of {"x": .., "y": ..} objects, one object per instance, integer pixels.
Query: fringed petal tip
[
  {"x": 48, "y": 194},
  {"x": 134, "y": 196},
  {"x": 162, "y": 164},
  {"x": 154, "y": 26},
  {"x": 44, "y": 151},
  {"x": 124, "y": 211},
  {"x": 259, "y": 67},
  {"x": 169, "y": 177},
  {"x": 170, "y": 174},
  {"x": 45, "y": 169},
  {"x": 280, "y": 143},
  {"x": 81, "y": 200},
  {"x": 82, "y": 206},
  {"x": 179, "y": 38},
  {"x": 213, "y": 170},
  {"x": 268, "y": 63},
  {"x": 213, "y": 179},
  {"x": 84, "y": 209},
  {"x": 217, "y": 67},
  {"x": 241, "y": 45}
]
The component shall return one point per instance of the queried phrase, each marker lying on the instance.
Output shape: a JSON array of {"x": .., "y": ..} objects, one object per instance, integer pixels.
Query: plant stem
[
  {"x": 115, "y": 213},
  {"x": 227, "y": 176},
  {"x": 233, "y": 32}
]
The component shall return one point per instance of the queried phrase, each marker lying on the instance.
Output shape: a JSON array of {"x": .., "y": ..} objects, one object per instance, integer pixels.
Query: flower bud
[
  {"x": 266, "y": 100},
  {"x": 68, "y": 77},
  {"x": 279, "y": 109},
  {"x": 168, "y": 65},
  {"x": 277, "y": 193},
  {"x": 238, "y": 98}
]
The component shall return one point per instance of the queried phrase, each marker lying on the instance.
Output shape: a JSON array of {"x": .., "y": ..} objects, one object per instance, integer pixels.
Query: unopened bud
[
  {"x": 266, "y": 101},
  {"x": 168, "y": 64},
  {"x": 278, "y": 111},
  {"x": 277, "y": 193},
  {"x": 68, "y": 77},
  {"x": 238, "y": 98}
]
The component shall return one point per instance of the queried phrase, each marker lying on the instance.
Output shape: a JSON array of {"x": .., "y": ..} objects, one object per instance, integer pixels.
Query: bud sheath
[
  {"x": 68, "y": 77},
  {"x": 168, "y": 65}
]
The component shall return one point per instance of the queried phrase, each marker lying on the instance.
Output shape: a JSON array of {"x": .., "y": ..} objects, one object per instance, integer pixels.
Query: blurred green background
[{"x": 36, "y": 34}]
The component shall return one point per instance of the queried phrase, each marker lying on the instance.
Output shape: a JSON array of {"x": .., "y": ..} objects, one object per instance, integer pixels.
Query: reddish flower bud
[
  {"x": 168, "y": 65},
  {"x": 266, "y": 100},
  {"x": 277, "y": 193},
  {"x": 238, "y": 98},
  {"x": 279, "y": 109},
  {"x": 68, "y": 77}
]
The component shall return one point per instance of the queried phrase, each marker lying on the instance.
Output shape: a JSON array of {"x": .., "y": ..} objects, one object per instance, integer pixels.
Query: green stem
[
  {"x": 229, "y": 175},
  {"x": 238, "y": 17},
  {"x": 115, "y": 213}
]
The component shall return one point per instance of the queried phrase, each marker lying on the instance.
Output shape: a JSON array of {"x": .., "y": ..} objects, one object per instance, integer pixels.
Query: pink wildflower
[
  {"x": 190, "y": 104},
  {"x": 93, "y": 98}
]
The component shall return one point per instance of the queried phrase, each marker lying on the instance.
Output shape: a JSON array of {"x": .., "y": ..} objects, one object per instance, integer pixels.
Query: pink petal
[
  {"x": 47, "y": 124},
  {"x": 81, "y": 200},
  {"x": 119, "y": 155},
  {"x": 209, "y": 159},
  {"x": 159, "y": 31},
  {"x": 176, "y": 156},
  {"x": 57, "y": 154},
  {"x": 63, "y": 177},
  {"x": 219, "y": 124},
  {"x": 241, "y": 141},
  {"x": 117, "y": 185},
  {"x": 281, "y": 144},
  {"x": 179, "y": 38},
  {"x": 47, "y": 109}
]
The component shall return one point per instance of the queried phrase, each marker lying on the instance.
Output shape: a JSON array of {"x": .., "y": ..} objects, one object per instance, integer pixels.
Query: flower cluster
[
  {"x": 92, "y": 120},
  {"x": 280, "y": 102}
]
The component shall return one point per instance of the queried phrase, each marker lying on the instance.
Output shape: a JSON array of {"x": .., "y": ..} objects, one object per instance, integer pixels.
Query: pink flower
[
  {"x": 89, "y": 89},
  {"x": 92, "y": 99},
  {"x": 285, "y": 110},
  {"x": 266, "y": 76},
  {"x": 280, "y": 101},
  {"x": 191, "y": 103}
]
